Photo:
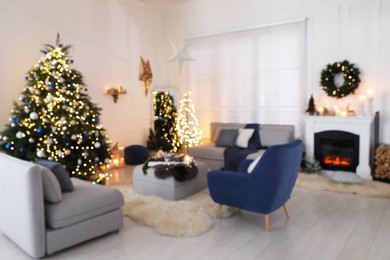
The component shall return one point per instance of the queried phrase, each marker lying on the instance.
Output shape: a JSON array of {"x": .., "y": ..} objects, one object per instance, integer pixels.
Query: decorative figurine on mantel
[{"x": 350, "y": 111}]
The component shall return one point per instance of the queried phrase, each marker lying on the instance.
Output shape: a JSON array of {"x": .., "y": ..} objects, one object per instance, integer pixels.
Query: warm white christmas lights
[{"x": 187, "y": 124}]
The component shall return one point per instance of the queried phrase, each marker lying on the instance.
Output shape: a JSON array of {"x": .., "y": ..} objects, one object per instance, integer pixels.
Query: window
[{"x": 249, "y": 76}]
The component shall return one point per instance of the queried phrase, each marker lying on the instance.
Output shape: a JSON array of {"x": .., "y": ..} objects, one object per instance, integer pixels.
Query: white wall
[
  {"x": 108, "y": 38},
  {"x": 356, "y": 30}
]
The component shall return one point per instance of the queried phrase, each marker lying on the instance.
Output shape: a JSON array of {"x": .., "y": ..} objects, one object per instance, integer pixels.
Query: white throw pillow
[
  {"x": 244, "y": 134},
  {"x": 253, "y": 164}
]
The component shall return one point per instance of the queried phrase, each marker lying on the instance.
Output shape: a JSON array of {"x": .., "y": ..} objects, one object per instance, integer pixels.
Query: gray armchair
[{"x": 40, "y": 227}]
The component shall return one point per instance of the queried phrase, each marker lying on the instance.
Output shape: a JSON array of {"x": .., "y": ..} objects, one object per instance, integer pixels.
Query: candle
[
  {"x": 370, "y": 93},
  {"x": 336, "y": 110},
  {"x": 116, "y": 163},
  {"x": 321, "y": 110},
  {"x": 361, "y": 106},
  {"x": 370, "y": 99}
]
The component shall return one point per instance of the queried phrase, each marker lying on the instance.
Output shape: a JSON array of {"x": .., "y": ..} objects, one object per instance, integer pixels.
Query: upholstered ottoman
[
  {"x": 168, "y": 188},
  {"x": 136, "y": 154}
]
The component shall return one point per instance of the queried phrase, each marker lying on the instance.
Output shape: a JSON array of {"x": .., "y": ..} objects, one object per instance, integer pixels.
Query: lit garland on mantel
[
  {"x": 349, "y": 73},
  {"x": 56, "y": 120}
]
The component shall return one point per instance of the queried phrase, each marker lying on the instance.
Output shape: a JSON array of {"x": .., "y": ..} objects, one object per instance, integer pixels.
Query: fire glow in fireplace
[{"x": 337, "y": 150}]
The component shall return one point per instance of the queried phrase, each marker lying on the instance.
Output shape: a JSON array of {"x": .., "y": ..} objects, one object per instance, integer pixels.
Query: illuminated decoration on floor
[
  {"x": 180, "y": 55},
  {"x": 145, "y": 75},
  {"x": 187, "y": 124},
  {"x": 56, "y": 120},
  {"x": 118, "y": 156},
  {"x": 165, "y": 118}
]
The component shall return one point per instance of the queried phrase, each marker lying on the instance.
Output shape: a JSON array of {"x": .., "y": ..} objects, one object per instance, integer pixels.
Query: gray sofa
[
  {"x": 212, "y": 155},
  {"x": 40, "y": 227}
]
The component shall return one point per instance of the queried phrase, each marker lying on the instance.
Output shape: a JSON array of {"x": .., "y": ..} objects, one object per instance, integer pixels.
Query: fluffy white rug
[
  {"x": 324, "y": 182},
  {"x": 189, "y": 217},
  {"x": 197, "y": 213}
]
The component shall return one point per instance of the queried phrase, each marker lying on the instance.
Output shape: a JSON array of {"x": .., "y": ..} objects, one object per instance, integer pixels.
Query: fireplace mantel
[{"x": 361, "y": 126}]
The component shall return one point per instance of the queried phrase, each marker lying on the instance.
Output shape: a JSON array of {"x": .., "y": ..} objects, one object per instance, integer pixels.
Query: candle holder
[
  {"x": 361, "y": 110},
  {"x": 118, "y": 159},
  {"x": 361, "y": 106},
  {"x": 370, "y": 106}
]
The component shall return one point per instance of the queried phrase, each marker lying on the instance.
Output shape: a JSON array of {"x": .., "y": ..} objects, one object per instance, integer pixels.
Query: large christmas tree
[
  {"x": 55, "y": 119},
  {"x": 165, "y": 117}
]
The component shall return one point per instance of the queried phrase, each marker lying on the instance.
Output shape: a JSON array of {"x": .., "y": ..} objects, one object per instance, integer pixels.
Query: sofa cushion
[
  {"x": 60, "y": 173},
  {"x": 86, "y": 201},
  {"x": 51, "y": 187},
  {"x": 270, "y": 137},
  {"x": 243, "y": 137},
  {"x": 207, "y": 151},
  {"x": 226, "y": 138}
]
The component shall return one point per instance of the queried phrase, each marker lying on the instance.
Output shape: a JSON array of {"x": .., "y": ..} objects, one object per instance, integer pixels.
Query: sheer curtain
[{"x": 249, "y": 76}]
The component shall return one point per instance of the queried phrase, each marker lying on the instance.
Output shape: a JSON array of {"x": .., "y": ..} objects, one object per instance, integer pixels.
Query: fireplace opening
[{"x": 337, "y": 150}]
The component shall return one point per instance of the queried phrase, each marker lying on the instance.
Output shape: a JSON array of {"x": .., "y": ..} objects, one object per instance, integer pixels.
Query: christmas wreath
[{"x": 350, "y": 75}]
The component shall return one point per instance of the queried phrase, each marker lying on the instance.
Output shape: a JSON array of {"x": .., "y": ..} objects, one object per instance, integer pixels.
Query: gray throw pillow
[
  {"x": 346, "y": 177},
  {"x": 60, "y": 172},
  {"x": 51, "y": 187},
  {"x": 226, "y": 138}
]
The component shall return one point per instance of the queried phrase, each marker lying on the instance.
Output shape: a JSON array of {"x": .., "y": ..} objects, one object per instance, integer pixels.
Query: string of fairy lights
[
  {"x": 176, "y": 128},
  {"x": 187, "y": 126},
  {"x": 165, "y": 117}
]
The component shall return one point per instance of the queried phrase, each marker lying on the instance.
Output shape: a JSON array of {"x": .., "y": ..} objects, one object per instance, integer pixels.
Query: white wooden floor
[{"x": 323, "y": 225}]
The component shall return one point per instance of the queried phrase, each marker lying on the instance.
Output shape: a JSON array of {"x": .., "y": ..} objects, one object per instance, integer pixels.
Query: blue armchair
[{"x": 266, "y": 188}]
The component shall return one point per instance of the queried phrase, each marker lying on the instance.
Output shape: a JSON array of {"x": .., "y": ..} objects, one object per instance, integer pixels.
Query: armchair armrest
[
  {"x": 228, "y": 187},
  {"x": 244, "y": 165}
]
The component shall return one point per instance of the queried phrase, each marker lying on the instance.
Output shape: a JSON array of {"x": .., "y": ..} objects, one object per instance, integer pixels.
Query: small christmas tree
[
  {"x": 165, "y": 117},
  {"x": 311, "y": 109},
  {"x": 187, "y": 126},
  {"x": 55, "y": 119},
  {"x": 153, "y": 144}
]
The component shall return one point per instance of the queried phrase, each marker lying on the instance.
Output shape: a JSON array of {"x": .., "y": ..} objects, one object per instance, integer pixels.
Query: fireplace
[
  {"x": 337, "y": 150},
  {"x": 361, "y": 126}
]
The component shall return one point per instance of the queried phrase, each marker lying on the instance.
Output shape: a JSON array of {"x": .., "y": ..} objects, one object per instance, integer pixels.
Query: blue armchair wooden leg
[
  {"x": 219, "y": 211},
  {"x": 266, "y": 218},
  {"x": 286, "y": 210}
]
